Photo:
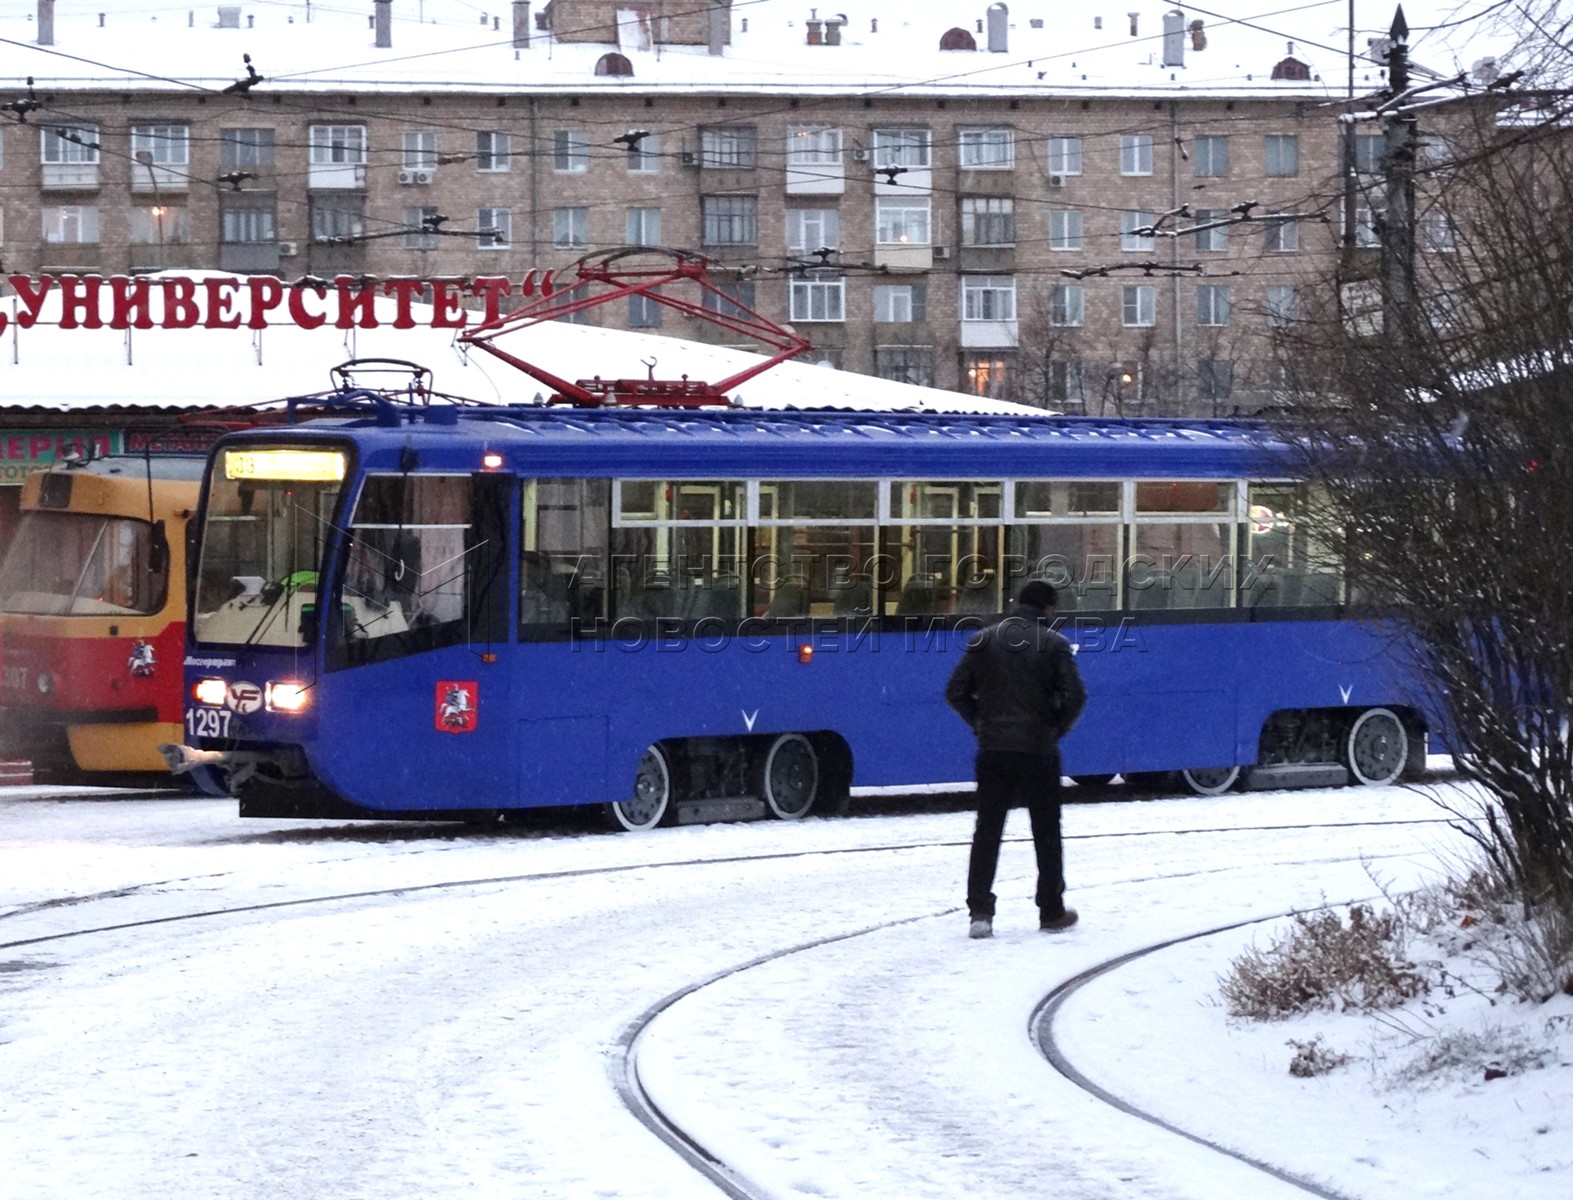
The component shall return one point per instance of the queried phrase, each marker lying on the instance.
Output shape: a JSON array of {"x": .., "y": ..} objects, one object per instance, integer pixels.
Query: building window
[
  {"x": 1282, "y": 154},
  {"x": 570, "y": 150},
  {"x": 1283, "y": 305},
  {"x": 248, "y": 224},
  {"x": 338, "y": 145},
  {"x": 1065, "y": 230},
  {"x": 900, "y": 303},
  {"x": 161, "y": 145},
  {"x": 732, "y": 298},
  {"x": 1370, "y": 206},
  {"x": 1210, "y": 156},
  {"x": 245, "y": 147},
  {"x": 986, "y": 375},
  {"x": 494, "y": 229},
  {"x": 337, "y": 217},
  {"x": 70, "y": 224},
  {"x": 813, "y": 146},
  {"x": 1139, "y": 305},
  {"x": 1370, "y": 150},
  {"x": 1214, "y": 379},
  {"x": 1215, "y": 239},
  {"x": 420, "y": 227},
  {"x": 988, "y": 221},
  {"x": 991, "y": 149},
  {"x": 901, "y": 148},
  {"x": 1282, "y": 234},
  {"x": 901, "y": 221},
  {"x": 1212, "y": 304},
  {"x": 811, "y": 229},
  {"x": 77, "y": 145},
  {"x": 492, "y": 150},
  {"x": 1064, "y": 156},
  {"x": 988, "y": 298},
  {"x": 160, "y": 225},
  {"x": 1437, "y": 233},
  {"x": 1136, "y": 154},
  {"x": 644, "y": 312},
  {"x": 734, "y": 147},
  {"x": 570, "y": 228},
  {"x": 730, "y": 220},
  {"x": 643, "y": 227},
  {"x": 1067, "y": 304},
  {"x": 905, "y": 364},
  {"x": 644, "y": 155},
  {"x": 1065, "y": 382},
  {"x": 818, "y": 300},
  {"x": 1130, "y": 239},
  {"x": 420, "y": 150}
]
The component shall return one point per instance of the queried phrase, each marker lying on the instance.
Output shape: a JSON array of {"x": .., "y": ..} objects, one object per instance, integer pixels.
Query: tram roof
[{"x": 562, "y": 441}]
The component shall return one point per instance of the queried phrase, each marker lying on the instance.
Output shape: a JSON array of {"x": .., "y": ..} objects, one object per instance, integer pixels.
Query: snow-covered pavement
[{"x": 400, "y": 1011}]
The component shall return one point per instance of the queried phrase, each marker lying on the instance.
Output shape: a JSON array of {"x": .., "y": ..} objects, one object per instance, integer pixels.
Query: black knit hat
[{"x": 1038, "y": 594}]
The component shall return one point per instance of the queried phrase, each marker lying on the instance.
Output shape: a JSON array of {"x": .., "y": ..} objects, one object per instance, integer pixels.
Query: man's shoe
[
  {"x": 982, "y": 927},
  {"x": 1065, "y": 920}
]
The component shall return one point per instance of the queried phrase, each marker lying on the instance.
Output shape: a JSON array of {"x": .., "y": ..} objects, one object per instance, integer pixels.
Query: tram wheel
[
  {"x": 789, "y": 777},
  {"x": 1210, "y": 781},
  {"x": 1377, "y": 747},
  {"x": 652, "y": 794}
]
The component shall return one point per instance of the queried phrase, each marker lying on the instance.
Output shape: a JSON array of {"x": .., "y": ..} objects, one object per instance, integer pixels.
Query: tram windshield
[
  {"x": 83, "y": 564},
  {"x": 269, "y": 514}
]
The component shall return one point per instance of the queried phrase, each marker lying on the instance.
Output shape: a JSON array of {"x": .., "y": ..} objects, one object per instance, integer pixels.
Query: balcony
[
  {"x": 155, "y": 179},
  {"x": 250, "y": 258},
  {"x": 70, "y": 177},
  {"x": 904, "y": 257},
  {"x": 816, "y": 179},
  {"x": 340, "y": 177}
]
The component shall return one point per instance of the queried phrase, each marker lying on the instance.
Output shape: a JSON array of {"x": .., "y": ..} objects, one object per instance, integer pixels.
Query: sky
[{"x": 390, "y": 1010}]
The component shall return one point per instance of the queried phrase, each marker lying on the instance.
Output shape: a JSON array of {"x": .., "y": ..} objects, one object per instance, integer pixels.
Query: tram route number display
[{"x": 208, "y": 722}]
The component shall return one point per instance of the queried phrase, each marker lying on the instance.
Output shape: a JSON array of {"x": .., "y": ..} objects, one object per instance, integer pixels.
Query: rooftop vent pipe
[
  {"x": 720, "y": 27},
  {"x": 46, "y": 22},
  {"x": 383, "y": 24},
  {"x": 521, "y": 24},
  {"x": 1174, "y": 38},
  {"x": 999, "y": 29}
]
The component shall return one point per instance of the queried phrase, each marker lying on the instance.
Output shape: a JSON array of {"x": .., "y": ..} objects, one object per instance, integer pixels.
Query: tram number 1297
[{"x": 207, "y": 722}]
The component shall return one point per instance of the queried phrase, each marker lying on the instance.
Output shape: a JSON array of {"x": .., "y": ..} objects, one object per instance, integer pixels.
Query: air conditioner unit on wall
[
  {"x": 859, "y": 154},
  {"x": 1056, "y": 181},
  {"x": 941, "y": 252},
  {"x": 406, "y": 177},
  {"x": 689, "y": 158},
  {"x": 288, "y": 249},
  {"x": 424, "y": 176}
]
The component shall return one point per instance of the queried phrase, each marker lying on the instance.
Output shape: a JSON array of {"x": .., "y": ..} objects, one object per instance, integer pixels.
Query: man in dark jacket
[{"x": 1017, "y": 686}]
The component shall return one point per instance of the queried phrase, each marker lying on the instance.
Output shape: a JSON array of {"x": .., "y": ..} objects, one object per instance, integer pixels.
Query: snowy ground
[{"x": 460, "y": 1033}]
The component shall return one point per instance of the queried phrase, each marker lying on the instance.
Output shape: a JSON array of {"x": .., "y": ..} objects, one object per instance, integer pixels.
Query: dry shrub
[
  {"x": 1323, "y": 964},
  {"x": 1491, "y": 1053},
  {"x": 1314, "y": 1058}
]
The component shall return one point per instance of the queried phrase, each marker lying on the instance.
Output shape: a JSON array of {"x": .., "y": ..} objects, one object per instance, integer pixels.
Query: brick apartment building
[{"x": 973, "y": 196}]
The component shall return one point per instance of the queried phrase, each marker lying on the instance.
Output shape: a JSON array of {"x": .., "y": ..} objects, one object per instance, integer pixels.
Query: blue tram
[{"x": 424, "y": 610}]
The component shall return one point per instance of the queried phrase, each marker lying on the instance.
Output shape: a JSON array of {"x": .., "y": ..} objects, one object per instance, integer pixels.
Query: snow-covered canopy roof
[
  {"x": 169, "y": 370},
  {"x": 1041, "y": 47}
]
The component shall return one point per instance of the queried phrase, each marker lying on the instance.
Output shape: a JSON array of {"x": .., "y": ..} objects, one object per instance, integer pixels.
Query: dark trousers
[{"x": 1008, "y": 778}]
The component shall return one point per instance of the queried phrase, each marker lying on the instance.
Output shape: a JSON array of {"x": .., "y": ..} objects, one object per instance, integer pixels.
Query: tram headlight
[
  {"x": 46, "y": 683},
  {"x": 287, "y": 697},
  {"x": 210, "y": 692}
]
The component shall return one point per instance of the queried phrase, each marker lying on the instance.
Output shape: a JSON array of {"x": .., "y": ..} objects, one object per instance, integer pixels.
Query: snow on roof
[
  {"x": 53, "y": 369},
  {"x": 460, "y": 46}
]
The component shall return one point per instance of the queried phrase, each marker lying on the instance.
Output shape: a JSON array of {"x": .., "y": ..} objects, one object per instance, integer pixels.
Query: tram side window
[
  {"x": 944, "y": 547},
  {"x": 77, "y": 563},
  {"x": 423, "y": 565},
  {"x": 678, "y": 549},
  {"x": 563, "y": 555},
  {"x": 1289, "y": 561},
  {"x": 1182, "y": 546},
  {"x": 814, "y": 549},
  {"x": 1067, "y": 533}
]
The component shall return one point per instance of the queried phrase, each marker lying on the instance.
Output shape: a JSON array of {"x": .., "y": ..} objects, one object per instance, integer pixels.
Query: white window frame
[
  {"x": 1065, "y": 154},
  {"x": 729, "y": 147},
  {"x": 1067, "y": 305},
  {"x": 813, "y": 146},
  {"x": 1215, "y": 240},
  {"x": 811, "y": 229},
  {"x": 1282, "y": 305},
  {"x": 570, "y": 151},
  {"x": 1066, "y": 230},
  {"x": 1138, "y": 305},
  {"x": 644, "y": 156},
  {"x": 420, "y": 150},
  {"x": 1213, "y": 305},
  {"x": 499, "y": 219},
  {"x": 897, "y": 303},
  {"x": 168, "y": 142},
  {"x": 493, "y": 151},
  {"x": 571, "y": 227},
  {"x": 995, "y": 210},
  {"x": 1136, "y": 154},
  {"x": 82, "y": 219},
  {"x": 338, "y": 145},
  {"x": 58, "y": 151},
  {"x": 1278, "y": 151},
  {"x": 1132, "y": 242},
  {"x": 986, "y": 148},
  {"x": 888, "y": 232},
  {"x": 416, "y": 234},
  {"x": 817, "y": 301},
  {"x": 1282, "y": 235},
  {"x": 908, "y": 146},
  {"x": 642, "y": 226},
  {"x": 1210, "y": 156},
  {"x": 988, "y": 297}
]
